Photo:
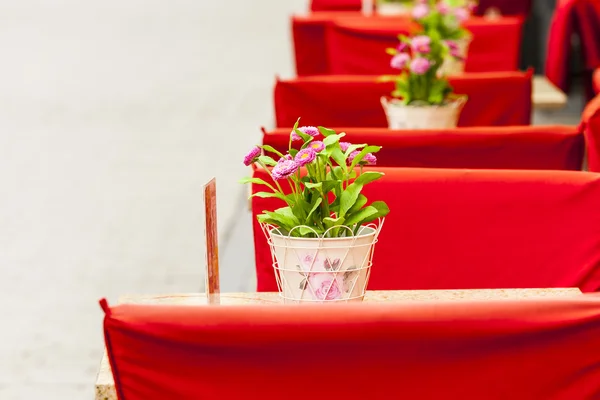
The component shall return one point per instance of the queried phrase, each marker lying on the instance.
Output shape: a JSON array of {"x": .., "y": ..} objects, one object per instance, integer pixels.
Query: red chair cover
[
  {"x": 506, "y": 7},
  {"x": 590, "y": 126},
  {"x": 514, "y": 147},
  {"x": 573, "y": 16},
  {"x": 356, "y": 45},
  {"x": 528, "y": 349},
  {"x": 461, "y": 229},
  {"x": 348, "y": 43},
  {"x": 596, "y": 81},
  {"x": 495, "y": 99}
]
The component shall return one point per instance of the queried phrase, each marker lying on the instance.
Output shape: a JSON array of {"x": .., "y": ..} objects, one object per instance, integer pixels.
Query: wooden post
[{"x": 212, "y": 243}]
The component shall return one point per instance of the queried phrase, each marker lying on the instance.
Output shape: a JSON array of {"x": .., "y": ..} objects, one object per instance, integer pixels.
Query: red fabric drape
[
  {"x": 495, "y": 99},
  {"x": 340, "y": 43},
  {"x": 590, "y": 126},
  {"x": 596, "y": 81},
  {"x": 506, "y": 7},
  {"x": 456, "y": 229},
  {"x": 513, "y": 147},
  {"x": 493, "y": 350},
  {"x": 581, "y": 17}
]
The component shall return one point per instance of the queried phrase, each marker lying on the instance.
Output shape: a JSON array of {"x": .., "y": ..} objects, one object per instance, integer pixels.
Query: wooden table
[
  {"x": 546, "y": 96},
  {"x": 105, "y": 388}
]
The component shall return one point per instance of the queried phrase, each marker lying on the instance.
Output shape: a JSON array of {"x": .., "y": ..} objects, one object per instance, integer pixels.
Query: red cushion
[
  {"x": 356, "y": 45},
  {"x": 506, "y": 7},
  {"x": 511, "y": 147},
  {"x": 495, "y": 99},
  {"x": 531, "y": 349},
  {"x": 460, "y": 229},
  {"x": 348, "y": 43},
  {"x": 590, "y": 126}
]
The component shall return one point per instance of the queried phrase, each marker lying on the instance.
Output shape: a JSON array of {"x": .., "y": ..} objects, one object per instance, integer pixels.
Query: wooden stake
[{"x": 212, "y": 243}]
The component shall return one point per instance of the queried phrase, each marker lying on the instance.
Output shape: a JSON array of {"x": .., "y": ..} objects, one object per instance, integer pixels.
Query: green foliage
[{"x": 327, "y": 194}]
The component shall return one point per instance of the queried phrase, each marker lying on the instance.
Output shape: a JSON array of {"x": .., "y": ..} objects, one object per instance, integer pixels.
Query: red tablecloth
[
  {"x": 458, "y": 229},
  {"x": 581, "y": 17},
  {"x": 494, "y": 350},
  {"x": 513, "y": 147},
  {"x": 506, "y": 7},
  {"x": 336, "y": 43},
  {"x": 495, "y": 99}
]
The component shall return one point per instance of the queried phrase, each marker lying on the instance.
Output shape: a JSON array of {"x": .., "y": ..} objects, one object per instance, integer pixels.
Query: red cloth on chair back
[
  {"x": 495, "y": 99},
  {"x": 506, "y": 7},
  {"x": 573, "y": 16},
  {"x": 336, "y": 5},
  {"x": 596, "y": 81},
  {"x": 356, "y": 45},
  {"x": 348, "y": 43},
  {"x": 460, "y": 229},
  {"x": 493, "y": 350},
  {"x": 511, "y": 147},
  {"x": 590, "y": 127}
]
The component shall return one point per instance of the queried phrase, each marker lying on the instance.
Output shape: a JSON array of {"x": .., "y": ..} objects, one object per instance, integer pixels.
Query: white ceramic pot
[
  {"x": 323, "y": 270},
  {"x": 402, "y": 116},
  {"x": 451, "y": 65},
  {"x": 384, "y": 8}
]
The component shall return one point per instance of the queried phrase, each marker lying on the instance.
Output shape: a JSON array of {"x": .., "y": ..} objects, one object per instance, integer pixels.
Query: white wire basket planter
[{"x": 323, "y": 269}]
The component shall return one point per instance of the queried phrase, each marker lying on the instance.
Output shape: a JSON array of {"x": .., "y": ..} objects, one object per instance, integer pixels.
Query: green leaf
[
  {"x": 360, "y": 202},
  {"x": 265, "y": 195},
  {"x": 391, "y": 51},
  {"x": 368, "y": 177},
  {"x": 285, "y": 219},
  {"x": 271, "y": 149},
  {"x": 339, "y": 157},
  {"x": 361, "y": 215},
  {"x": 313, "y": 209},
  {"x": 331, "y": 222},
  {"x": 359, "y": 157},
  {"x": 311, "y": 185},
  {"x": 258, "y": 181},
  {"x": 331, "y": 139},
  {"x": 306, "y": 138},
  {"x": 349, "y": 197},
  {"x": 326, "y": 131},
  {"x": 267, "y": 161}
]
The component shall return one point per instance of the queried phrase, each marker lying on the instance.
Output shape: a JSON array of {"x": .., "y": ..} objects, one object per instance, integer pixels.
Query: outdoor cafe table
[{"x": 105, "y": 387}]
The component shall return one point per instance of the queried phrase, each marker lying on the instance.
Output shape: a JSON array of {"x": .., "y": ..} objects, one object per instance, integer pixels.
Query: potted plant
[
  {"x": 322, "y": 239},
  {"x": 422, "y": 98},
  {"x": 394, "y": 7},
  {"x": 446, "y": 17}
]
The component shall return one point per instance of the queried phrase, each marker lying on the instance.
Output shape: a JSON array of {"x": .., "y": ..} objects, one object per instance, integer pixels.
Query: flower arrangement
[
  {"x": 419, "y": 59},
  {"x": 325, "y": 198},
  {"x": 445, "y": 17}
]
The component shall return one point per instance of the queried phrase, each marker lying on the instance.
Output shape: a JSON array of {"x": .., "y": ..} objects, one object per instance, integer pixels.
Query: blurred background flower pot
[{"x": 422, "y": 115}]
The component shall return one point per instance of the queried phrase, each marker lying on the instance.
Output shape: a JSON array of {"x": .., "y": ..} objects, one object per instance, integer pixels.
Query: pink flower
[
  {"x": 420, "y": 44},
  {"x": 401, "y": 47},
  {"x": 399, "y": 61},
  {"x": 305, "y": 156},
  {"x": 309, "y": 262},
  {"x": 345, "y": 145},
  {"x": 307, "y": 130},
  {"x": 454, "y": 49},
  {"x": 325, "y": 286},
  {"x": 443, "y": 8},
  {"x": 284, "y": 168},
  {"x": 461, "y": 14},
  {"x": 420, "y": 65},
  {"x": 420, "y": 11},
  {"x": 472, "y": 6},
  {"x": 368, "y": 159},
  {"x": 252, "y": 155},
  {"x": 317, "y": 146}
]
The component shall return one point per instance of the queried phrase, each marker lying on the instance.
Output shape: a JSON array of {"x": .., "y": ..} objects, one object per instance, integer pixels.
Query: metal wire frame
[{"x": 319, "y": 245}]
